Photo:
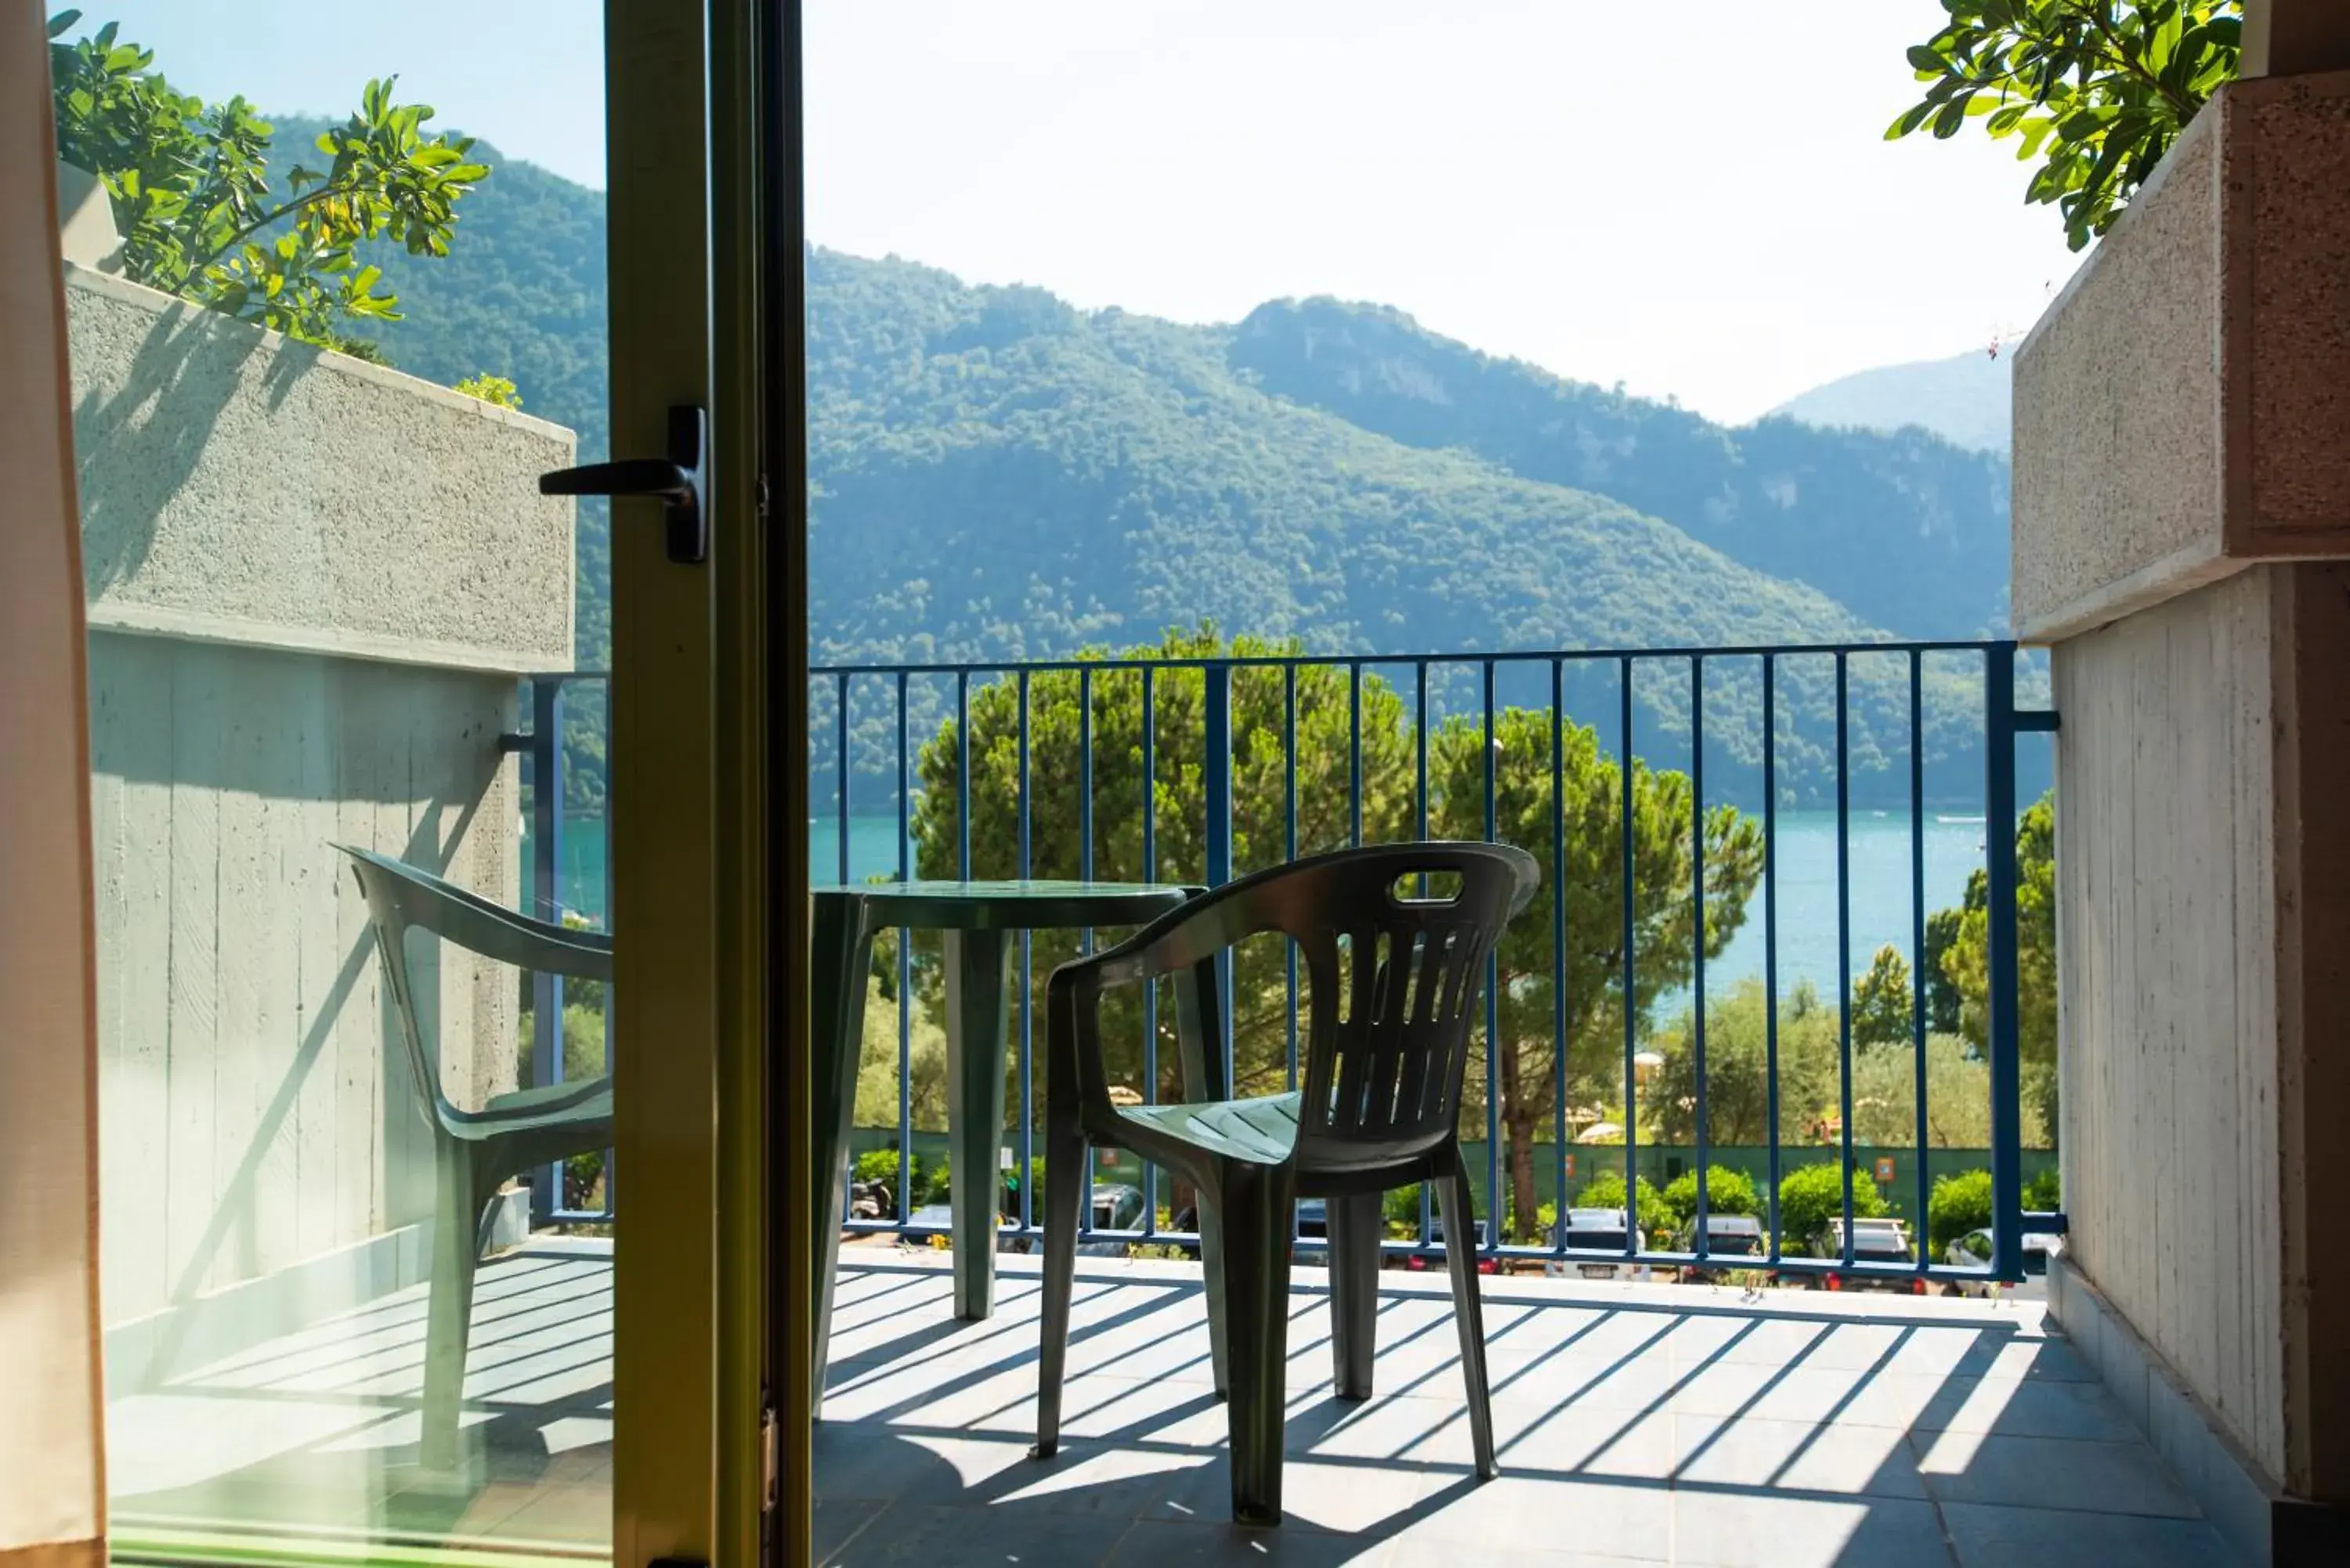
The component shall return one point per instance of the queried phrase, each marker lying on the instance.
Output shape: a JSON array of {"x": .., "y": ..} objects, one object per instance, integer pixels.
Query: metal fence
[{"x": 878, "y": 756}]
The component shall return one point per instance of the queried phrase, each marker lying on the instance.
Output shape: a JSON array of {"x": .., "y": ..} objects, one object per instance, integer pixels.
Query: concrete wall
[
  {"x": 2218, "y": 306},
  {"x": 239, "y": 487},
  {"x": 312, "y": 584},
  {"x": 2182, "y": 518},
  {"x": 2167, "y": 1012}
]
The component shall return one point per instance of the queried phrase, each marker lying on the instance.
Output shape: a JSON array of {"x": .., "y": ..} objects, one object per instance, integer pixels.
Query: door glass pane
[{"x": 357, "y": 1217}]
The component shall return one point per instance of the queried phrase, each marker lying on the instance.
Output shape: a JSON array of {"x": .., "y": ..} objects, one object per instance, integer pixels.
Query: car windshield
[{"x": 1597, "y": 1240}]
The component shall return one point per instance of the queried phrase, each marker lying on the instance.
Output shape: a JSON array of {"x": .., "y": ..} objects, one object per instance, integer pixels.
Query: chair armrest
[
  {"x": 400, "y": 895},
  {"x": 1184, "y": 943}
]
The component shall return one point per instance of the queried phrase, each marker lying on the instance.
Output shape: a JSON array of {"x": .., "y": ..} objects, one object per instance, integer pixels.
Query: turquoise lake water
[{"x": 1806, "y": 855}]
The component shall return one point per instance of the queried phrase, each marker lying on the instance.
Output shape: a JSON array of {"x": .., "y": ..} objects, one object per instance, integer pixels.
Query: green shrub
[
  {"x": 881, "y": 1164},
  {"x": 1812, "y": 1195},
  {"x": 1606, "y": 1191},
  {"x": 2044, "y": 1193},
  {"x": 1726, "y": 1192},
  {"x": 1959, "y": 1202},
  {"x": 491, "y": 389},
  {"x": 942, "y": 1182},
  {"x": 1402, "y": 1208}
]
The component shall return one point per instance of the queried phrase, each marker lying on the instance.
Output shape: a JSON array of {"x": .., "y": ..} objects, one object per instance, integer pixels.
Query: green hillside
[
  {"x": 997, "y": 475},
  {"x": 1907, "y": 530}
]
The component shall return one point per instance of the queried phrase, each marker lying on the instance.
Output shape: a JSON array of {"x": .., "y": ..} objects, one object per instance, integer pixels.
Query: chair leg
[
  {"x": 1211, "y": 1268},
  {"x": 1258, "y": 1203},
  {"x": 1064, "y": 1176},
  {"x": 456, "y": 1231},
  {"x": 1467, "y": 1308},
  {"x": 1357, "y": 1229}
]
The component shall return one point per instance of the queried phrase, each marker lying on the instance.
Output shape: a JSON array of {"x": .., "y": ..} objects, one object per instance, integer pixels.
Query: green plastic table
[{"x": 979, "y": 919}]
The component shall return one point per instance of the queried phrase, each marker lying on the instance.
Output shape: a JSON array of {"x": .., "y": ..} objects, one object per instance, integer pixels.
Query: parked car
[
  {"x": 1974, "y": 1251},
  {"x": 1595, "y": 1230},
  {"x": 1421, "y": 1261},
  {"x": 1885, "y": 1242},
  {"x": 1727, "y": 1236}
]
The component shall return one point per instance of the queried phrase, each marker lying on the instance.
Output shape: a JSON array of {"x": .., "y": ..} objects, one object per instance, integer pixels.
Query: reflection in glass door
[{"x": 359, "y": 1214}]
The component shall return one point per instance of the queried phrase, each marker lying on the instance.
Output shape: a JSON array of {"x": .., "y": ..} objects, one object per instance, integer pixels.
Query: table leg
[
  {"x": 976, "y": 1036},
  {"x": 840, "y": 953}
]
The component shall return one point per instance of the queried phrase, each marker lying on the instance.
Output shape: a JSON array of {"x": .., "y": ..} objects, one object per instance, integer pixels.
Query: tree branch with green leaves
[
  {"x": 189, "y": 188},
  {"x": 2095, "y": 91}
]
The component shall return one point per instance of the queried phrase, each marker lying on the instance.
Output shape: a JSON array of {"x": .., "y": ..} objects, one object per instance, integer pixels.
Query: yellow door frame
[{"x": 708, "y": 707}]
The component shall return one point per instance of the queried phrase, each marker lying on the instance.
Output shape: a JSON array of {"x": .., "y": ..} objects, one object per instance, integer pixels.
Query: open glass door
[{"x": 424, "y": 1000}]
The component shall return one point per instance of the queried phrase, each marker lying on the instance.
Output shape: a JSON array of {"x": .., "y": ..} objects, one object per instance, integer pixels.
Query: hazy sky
[{"x": 1698, "y": 204}]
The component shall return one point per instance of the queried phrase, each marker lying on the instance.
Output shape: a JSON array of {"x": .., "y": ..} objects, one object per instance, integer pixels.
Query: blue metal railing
[{"x": 1473, "y": 679}]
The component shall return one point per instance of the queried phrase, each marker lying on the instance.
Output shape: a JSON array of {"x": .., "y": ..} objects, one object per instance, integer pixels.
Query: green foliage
[
  {"x": 1726, "y": 1192},
  {"x": 1664, "y": 930},
  {"x": 1959, "y": 1202},
  {"x": 1401, "y": 1207},
  {"x": 1882, "y": 1004},
  {"x": 1737, "y": 1055},
  {"x": 1967, "y": 962},
  {"x": 1812, "y": 1195},
  {"x": 2094, "y": 90},
  {"x": 1606, "y": 1191},
  {"x": 1885, "y": 1105},
  {"x": 1664, "y": 925},
  {"x": 2044, "y": 1193},
  {"x": 1942, "y": 1001},
  {"x": 1057, "y": 782},
  {"x": 881, "y": 1164},
  {"x": 195, "y": 204},
  {"x": 491, "y": 390}
]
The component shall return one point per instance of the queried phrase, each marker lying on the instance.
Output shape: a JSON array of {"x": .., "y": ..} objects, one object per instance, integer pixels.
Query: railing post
[
  {"x": 1999, "y": 878},
  {"x": 546, "y": 859},
  {"x": 1217, "y": 774}
]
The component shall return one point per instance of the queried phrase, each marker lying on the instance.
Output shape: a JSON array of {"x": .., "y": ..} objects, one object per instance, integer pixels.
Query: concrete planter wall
[{"x": 312, "y": 583}]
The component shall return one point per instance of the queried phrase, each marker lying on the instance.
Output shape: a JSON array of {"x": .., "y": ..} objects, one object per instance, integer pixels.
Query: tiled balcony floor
[{"x": 1637, "y": 1424}]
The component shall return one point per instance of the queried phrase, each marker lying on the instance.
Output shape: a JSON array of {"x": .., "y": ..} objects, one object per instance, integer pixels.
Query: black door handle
[{"x": 679, "y": 479}]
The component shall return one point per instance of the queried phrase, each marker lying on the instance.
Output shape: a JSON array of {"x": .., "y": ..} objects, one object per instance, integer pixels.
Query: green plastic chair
[
  {"x": 1394, "y": 941},
  {"x": 474, "y": 1152}
]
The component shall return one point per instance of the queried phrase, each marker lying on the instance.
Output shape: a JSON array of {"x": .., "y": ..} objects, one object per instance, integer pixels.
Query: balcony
[{"x": 1637, "y": 1424}]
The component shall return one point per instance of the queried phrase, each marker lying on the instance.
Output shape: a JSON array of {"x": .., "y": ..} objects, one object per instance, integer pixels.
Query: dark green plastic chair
[
  {"x": 1396, "y": 977},
  {"x": 476, "y": 1151}
]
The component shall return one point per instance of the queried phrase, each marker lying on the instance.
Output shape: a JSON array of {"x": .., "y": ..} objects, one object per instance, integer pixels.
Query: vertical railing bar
[
  {"x": 840, "y": 774},
  {"x": 1697, "y": 896},
  {"x": 905, "y": 968},
  {"x": 1844, "y": 932},
  {"x": 1419, "y": 752},
  {"x": 2000, "y": 878},
  {"x": 1420, "y": 809},
  {"x": 1918, "y": 930},
  {"x": 1027, "y": 989},
  {"x": 1492, "y": 1004},
  {"x": 1289, "y": 836},
  {"x": 1216, "y": 777},
  {"x": 1355, "y": 754},
  {"x": 1770, "y": 936},
  {"x": 546, "y": 1196},
  {"x": 1149, "y": 874},
  {"x": 963, "y": 774},
  {"x": 1085, "y": 874},
  {"x": 1558, "y": 951},
  {"x": 1633, "y": 1238}
]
